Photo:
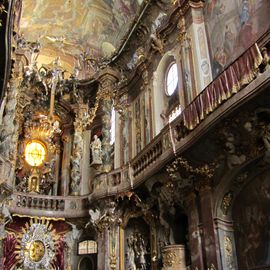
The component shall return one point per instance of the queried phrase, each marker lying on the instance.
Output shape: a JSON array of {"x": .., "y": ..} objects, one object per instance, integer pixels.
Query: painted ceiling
[{"x": 71, "y": 28}]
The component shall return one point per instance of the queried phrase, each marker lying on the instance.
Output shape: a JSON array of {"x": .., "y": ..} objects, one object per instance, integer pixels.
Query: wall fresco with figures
[
  {"x": 233, "y": 26},
  {"x": 251, "y": 218}
]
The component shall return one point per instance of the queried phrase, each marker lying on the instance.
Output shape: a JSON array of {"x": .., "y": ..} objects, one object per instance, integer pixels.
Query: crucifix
[{"x": 57, "y": 76}]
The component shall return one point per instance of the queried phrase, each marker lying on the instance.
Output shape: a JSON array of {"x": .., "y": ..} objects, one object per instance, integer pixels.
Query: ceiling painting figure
[{"x": 68, "y": 28}]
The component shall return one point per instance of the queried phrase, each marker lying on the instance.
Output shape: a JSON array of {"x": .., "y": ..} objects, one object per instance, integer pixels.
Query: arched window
[
  {"x": 112, "y": 127},
  {"x": 171, "y": 79},
  {"x": 87, "y": 247}
]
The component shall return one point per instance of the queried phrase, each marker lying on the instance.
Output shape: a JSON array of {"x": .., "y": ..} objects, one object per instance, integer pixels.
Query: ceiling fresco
[{"x": 69, "y": 28}]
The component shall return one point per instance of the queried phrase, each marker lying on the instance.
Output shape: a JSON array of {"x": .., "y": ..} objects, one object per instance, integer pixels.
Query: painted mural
[
  {"x": 68, "y": 28},
  {"x": 252, "y": 226},
  {"x": 233, "y": 26}
]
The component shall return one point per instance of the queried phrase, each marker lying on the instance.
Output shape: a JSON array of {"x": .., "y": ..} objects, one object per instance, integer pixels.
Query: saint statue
[
  {"x": 96, "y": 151},
  {"x": 131, "y": 253}
]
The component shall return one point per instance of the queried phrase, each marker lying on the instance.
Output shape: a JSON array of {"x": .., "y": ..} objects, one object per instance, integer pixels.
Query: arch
[
  {"x": 250, "y": 213},
  {"x": 228, "y": 184},
  {"x": 86, "y": 263},
  {"x": 228, "y": 196}
]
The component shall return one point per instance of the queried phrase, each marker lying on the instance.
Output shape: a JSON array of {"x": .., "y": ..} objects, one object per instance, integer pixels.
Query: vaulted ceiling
[{"x": 71, "y": 28}]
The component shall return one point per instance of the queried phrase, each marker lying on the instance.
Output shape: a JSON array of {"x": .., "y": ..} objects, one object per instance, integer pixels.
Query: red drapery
[
  {"x": 9, "y": 255},
  {"x": 59, "y": 262},
  {"x": 229, "y": 82}
]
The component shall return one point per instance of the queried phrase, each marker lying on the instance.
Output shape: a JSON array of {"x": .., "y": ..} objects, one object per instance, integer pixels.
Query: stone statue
[
  {"x": 141, "y": 252},
  {"x": 95, "y": 217},
  {"x": 96, "y": 151},
  {"x": 70, "y": 238},
  {"x": 232, "y": 158},
  {"x": 131, "y": 253},
  {"x": 72, "y": 235},
  {"x": 157, "y": 43},
  {"x": 5, "y": 212}
]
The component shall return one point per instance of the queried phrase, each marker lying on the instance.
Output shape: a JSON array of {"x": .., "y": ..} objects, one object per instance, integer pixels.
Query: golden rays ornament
[{"x": 37, "y": 245}]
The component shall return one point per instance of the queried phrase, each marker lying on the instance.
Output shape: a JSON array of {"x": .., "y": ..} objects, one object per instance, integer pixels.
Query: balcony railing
[{"x": 49, "y": 206}]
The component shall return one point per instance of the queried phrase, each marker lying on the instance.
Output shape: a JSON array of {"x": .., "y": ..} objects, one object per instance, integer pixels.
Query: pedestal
[{"x": 173, "y": 257}]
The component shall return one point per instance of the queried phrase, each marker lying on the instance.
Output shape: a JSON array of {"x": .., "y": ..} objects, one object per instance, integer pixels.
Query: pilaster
[{"x": 193, "y": 13}]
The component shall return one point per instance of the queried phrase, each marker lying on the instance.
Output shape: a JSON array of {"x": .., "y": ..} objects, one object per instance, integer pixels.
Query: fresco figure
[{"x": 244, "y": 15}]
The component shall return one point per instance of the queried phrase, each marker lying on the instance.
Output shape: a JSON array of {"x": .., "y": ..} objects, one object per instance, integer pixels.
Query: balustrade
[
  {"x": 58, "y": 206},
  {"x": 147, "y": 156}
]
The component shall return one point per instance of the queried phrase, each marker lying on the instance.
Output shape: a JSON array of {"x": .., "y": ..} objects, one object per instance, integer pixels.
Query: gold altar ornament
[
  {"x": 35, "y": 153},
  {"x": 36, "y": 251}
]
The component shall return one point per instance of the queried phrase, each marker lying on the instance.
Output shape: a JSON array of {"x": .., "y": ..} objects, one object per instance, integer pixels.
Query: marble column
[
  {"x": 65, "y": 173},
  {"x": 81, "y": 116},
  {"x": 85, "y": 188},
  {"x": 209, "y": 235},
  {"x": 103, "y": 257},
  {"x": 108, "y": 79},
  {"x": 10, "y": 128},
  {"x": 225, "y": 233},
  {"x": 195, "y": 241}
]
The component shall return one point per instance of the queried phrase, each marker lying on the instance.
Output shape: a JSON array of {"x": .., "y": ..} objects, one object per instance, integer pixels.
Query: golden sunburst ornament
[{"x": 37, "y": 244}]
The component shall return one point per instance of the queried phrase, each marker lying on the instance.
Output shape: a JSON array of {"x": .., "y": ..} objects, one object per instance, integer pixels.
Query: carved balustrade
[
  {"x": 49, "y": 206},
  {"x": 118, "y": 180},
  {"x": 147, "y": 156}
]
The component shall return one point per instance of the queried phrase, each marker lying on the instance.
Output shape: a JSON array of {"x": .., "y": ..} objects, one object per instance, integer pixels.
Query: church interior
[{"x": 134, "y": 134}]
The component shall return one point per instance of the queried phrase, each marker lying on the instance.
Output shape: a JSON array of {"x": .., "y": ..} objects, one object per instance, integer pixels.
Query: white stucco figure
[{"x": 96, "y": 151}]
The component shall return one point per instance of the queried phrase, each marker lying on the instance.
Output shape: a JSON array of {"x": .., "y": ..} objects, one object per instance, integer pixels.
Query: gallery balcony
[{"x": 243, "y": 79}]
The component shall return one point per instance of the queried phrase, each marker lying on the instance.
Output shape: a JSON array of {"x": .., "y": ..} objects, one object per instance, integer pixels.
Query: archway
[{"x": 86, "y": 263}]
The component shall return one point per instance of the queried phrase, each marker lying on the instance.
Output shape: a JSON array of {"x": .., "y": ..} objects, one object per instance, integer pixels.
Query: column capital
[
  {"x": 186, "y": 5},
  {"x": 107, "y": 75}
]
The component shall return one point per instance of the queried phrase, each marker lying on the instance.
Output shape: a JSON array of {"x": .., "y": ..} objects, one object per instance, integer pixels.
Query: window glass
[
  {"x": 112, "y": 127},
  {"x": 171, "y": 79},
  {"x": 87, "y": 247}
]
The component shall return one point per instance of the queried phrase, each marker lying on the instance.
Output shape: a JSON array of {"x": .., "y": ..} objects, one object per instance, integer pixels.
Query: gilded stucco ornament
[
  {"x": 228, "y": 250},
  {"x": 106, "y": 218},
  {"x": 212, "y": 267},
  {"x": 183, "y": 37},
  {"x": 169, "y": 259},
  {"x": 157, "y": 43},
  {"x": 206, "y": 170},
  {"x": 37, "y": 246},
  {"x": 226, "y": 202}
]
